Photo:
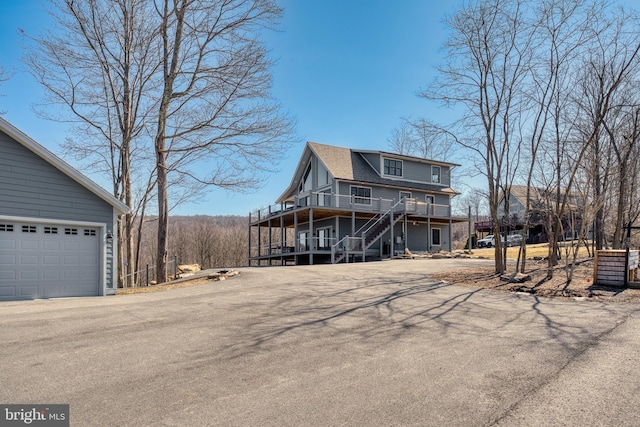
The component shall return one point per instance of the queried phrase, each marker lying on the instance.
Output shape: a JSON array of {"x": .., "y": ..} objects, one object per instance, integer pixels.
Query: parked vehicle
[
  {"x": 514, "y": 240},
  {"x": 487, "y": 242}
]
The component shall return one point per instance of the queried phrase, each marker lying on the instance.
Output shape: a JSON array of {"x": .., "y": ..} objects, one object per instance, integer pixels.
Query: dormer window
[{"x": 393, "y": 167}]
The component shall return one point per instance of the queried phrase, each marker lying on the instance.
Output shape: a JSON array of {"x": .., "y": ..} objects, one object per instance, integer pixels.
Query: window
[
  {"x": 393, "y": 167},
  {"x": 405, "y": 195},
  {"x": 324, "y": 238},
  {"x": 71, "y": 231},
  {"x": 324, "y": 198},
  {"x": 6, "y": 227},
  {"x": 435, "y": 174},
  {"x": 435, "y": 237},
  {"x": 306, "y": 183},
  {"x": 303, "y": 244},
  {"x": 51, "y": 230},
  {"x": 323, "y": 175},
  {"x": 361, "y": 195},
  {"x": 89, "y": 232},
  {"x": 28, "y": 228}
]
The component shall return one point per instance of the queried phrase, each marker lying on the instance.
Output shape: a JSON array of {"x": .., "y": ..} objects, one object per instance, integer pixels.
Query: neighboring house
[
  {"x": 346, "y": 204},
  {"x": 540, "y": 202},
  {"x": 58, "y": 229}
]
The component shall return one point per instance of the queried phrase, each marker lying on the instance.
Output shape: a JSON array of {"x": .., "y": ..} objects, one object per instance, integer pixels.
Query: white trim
[
  {"x": 114, "y": 253},
  {"x": 102, "y": 287},
  {"x": 61, "y": 165},
  {"x": 407, "y": 157},
  {"x": 362, "y": 197},
  {"x": 439, "y": 175},
  {"x": 329, "y": 228},
  {"x": 385, "y": 175},
  {"x": 439, "y": 233},
  {"x": 402, "y": 191},
  {"x": 50, "y": 220}
]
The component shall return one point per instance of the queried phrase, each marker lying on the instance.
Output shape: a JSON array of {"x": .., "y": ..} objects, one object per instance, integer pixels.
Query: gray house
[
  {"x": 344, "y": 205},
  {"x": 58, "y": 229}
]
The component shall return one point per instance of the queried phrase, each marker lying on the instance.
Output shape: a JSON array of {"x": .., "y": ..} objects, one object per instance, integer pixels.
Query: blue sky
[{"x": 346, "y": 70}]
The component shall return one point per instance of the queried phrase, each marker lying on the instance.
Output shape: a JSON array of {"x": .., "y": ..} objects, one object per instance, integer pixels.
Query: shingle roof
[{"x": 350, "y": 165}]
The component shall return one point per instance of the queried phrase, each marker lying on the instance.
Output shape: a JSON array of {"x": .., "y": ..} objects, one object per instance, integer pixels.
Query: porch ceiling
[{"x": 288, "y": 217}]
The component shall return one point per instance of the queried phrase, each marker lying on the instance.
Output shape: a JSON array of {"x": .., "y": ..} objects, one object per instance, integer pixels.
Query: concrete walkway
[{"x": 359, "y": 344}]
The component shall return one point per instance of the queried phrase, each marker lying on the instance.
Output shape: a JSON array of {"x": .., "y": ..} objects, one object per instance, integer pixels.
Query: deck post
[
  {"x": 313, "y": 241},
  {"x": 259, "y": 241},
  {"x": 295, "y": 237},
  {"x": 405, "y": 232},
  {"x": 283, "y": 239},
  {"x": 270, "y": 234},
  {"x": 450, "y": 235},
  {"x": 249, "y": 241}
]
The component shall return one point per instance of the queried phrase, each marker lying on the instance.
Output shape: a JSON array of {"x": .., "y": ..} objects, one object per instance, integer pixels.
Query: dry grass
[
  {"x": 539, "y": 250},
  {"x": 163, "y": 286}
]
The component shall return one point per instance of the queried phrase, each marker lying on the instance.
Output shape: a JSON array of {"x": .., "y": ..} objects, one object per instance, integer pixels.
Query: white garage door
[{"x": 48, "y": 260}]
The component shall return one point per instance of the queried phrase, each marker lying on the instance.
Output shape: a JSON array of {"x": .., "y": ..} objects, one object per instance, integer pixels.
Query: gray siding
[
  {"x": 31, "y": 187},
  {"x": 374, "y": 160},
  {"x": 394, "y": 193},
  {"x": 420, "y": 172},
  {"x": 414, "y": 171}
]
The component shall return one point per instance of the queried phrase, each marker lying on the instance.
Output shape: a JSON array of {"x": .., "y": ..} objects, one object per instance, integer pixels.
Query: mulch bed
[{"x": 581, "y": 286}]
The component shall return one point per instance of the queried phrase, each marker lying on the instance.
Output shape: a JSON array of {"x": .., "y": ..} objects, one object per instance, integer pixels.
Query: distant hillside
[{"x": 211, "y": 241}]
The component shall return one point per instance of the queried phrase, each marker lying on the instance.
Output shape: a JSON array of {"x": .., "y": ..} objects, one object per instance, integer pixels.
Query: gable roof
[
  {"x": 350, "y": 165},
  {"x": 23, "y": 139},
  {"x": 539, "y": 195}
]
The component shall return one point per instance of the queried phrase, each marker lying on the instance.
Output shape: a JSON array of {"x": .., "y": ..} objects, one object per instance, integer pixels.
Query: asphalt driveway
[{"x": 359, "y": 344}]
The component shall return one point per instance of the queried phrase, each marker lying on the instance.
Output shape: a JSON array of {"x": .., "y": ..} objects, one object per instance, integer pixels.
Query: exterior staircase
[{"x": 366, "y": 236}]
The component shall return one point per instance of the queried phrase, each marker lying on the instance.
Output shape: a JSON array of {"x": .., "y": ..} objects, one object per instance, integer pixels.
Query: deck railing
[
  {"x": 300, "y": 245},
  {"x": 358, "y": 203}
]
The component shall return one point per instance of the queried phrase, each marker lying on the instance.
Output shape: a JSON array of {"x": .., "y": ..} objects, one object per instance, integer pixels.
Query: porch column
[
  {"x": 353, "y": 223},
  {"x": 450, "y": 235},
  {"x": 405, "y": 232},
  {"x": 249, "y": 242},
  {"x": 283, "y": 242},
  {"x": 392, "y": 249},
  {"x": 295, "y": 237},
  {"x": 270, "y": 236},
  {"x": 313, "y": 241},
  {"x": 428, "y": 234},
  {"x": 259, "y": 240}
]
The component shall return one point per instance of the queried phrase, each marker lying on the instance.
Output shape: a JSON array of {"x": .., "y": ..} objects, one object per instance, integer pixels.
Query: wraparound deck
[{"x": 277, "y": 237}]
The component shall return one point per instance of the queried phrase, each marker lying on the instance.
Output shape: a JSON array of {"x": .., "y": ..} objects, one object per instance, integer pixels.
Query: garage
[
  {"x": 58, "y": 228},
  {"x": 45, "y": 260}
]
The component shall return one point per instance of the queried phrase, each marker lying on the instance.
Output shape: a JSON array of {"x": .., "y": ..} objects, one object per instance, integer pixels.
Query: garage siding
[{"x": 34, "y": 188}]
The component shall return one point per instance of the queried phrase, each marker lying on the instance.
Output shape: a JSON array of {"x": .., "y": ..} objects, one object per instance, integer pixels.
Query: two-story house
[
  {"x": 346, "y": 204},
  {"x": 541, "y": 207}
]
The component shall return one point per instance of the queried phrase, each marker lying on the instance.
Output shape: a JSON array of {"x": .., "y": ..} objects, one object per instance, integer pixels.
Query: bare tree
[
  {"x": 401, "y": 139},
  {"x": 99, "y": 62},
  {"x": 214, "y": 102},
  {"x": 174, "y": 90},
  {"x": 608, "y": 72},
  {"x": 420, "y": 138},
  {"x": 561, "y": 31},
  {"x": 488, "y": 54},
  {"x": 4, "y": 76}
]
